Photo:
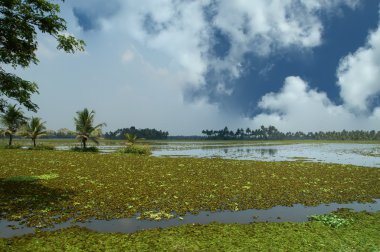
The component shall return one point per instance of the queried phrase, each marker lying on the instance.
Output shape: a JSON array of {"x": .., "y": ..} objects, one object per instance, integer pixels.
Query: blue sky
[{"x": 184, "y": 66}]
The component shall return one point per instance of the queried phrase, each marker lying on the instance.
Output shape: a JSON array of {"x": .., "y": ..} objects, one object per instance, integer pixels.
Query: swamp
[{"x": 189, "y": 196}]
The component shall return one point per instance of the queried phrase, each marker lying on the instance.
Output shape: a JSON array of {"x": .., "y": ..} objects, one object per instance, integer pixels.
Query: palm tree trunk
[{"x": 10, "y": 139}]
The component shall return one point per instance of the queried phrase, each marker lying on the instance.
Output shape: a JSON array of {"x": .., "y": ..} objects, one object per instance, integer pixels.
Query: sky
[{"x": 183, "y": 65}]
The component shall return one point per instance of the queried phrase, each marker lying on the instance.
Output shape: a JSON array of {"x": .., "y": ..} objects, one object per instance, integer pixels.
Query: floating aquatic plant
[
  {"x": 331, "y": 220},
  {"x": 80, "y": 186}
]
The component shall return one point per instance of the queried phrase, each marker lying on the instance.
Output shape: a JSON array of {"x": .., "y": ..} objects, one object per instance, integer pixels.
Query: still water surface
[
  {"x": 295, "y": 213},
  {"x": 355, "y": 154}
]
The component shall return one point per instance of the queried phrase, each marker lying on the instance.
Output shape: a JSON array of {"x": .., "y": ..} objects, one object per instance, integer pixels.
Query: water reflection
[
  {"x": 266, "y": 152},
  {"x": 327, "y": 153}
]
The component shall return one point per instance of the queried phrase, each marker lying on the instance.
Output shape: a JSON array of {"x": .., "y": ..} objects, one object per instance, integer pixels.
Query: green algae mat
[
  {"x": 361, "y": 233},
  {"x": 40, "y": 188}
]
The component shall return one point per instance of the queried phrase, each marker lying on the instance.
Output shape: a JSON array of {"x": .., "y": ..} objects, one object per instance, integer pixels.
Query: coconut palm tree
[
  {"x": 85, "y": 129},
  {"x": 12, "y": 119},
  {"x": 33, "y": 129},
  {"x": 131, "y": 138}
]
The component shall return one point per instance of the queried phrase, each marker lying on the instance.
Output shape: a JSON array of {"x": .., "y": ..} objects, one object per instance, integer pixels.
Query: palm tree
[
  {"x": 85, "y": 130},
  {"x": 131, "y": 138},
  {"x": 12, "y": 119},
  {"x": 34, "y": 128}
]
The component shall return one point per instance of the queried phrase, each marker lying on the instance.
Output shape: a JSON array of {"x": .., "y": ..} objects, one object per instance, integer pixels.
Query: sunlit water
[{"x": 355, "y": 154}]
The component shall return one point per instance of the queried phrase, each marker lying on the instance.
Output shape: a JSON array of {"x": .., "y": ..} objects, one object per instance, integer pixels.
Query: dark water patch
[{"x": 295, "y": 213}]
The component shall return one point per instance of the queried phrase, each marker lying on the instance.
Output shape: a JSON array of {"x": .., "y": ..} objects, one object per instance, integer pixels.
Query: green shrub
[
  {"x": 331, "y": 220},
  {"x": 87, "y": 149},
  {"x": 137, "y": 149},
  {"x": 14, "y": 146},
  {"x": 41, "y": 147}
]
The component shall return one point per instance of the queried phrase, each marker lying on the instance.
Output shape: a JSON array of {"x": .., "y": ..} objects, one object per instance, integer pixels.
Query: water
[
  {"x": 102, "y": 148},
  {"x": 295, "y": 213},
  {"x": 355, "y": 154}
]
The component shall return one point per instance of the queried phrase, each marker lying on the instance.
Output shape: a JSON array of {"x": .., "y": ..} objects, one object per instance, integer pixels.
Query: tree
[
  {"x": 33, "y": 129},
  {"x": 12, "y": 119},
  {"x": 85, "y": 129},
  {"x": 19, "y": 22},
  {"x": 131, "y": 138}
]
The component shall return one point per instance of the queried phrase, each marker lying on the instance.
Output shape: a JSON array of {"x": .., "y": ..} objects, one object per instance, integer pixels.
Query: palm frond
[{"x": 84, "y": 124}]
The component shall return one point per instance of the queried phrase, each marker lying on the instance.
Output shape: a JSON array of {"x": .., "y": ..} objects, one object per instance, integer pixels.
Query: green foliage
[
  {"x": 140, "y": 133},
  {"x": 331, "y": 220},
  {"x": 17, "y": 89},
  {"x": 13, "y": 146},
  {"x": 363, "y": 235},
  {"x": 34, "y": 129},
  {"x": 137, "y": 149},
  {"x": 12, "y": 119},
  {"x": 131, "y": 138},
  {"x": 272, "y": 133},
  {"x": 86, "y": 149},
  {"x": 120, "y": 186},
  {"x": 154, "y": 215},
  {"x": 19, "y": 22},
  {"x": 42, "y": 147},
  {"x": 85, "y": 129}
]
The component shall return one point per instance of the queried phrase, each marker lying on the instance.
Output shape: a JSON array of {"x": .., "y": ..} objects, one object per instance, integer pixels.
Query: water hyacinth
[{"x": 89, "y": 185}]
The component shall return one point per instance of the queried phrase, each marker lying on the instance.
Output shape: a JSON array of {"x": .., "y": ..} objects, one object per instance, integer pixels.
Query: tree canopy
[
  {"x": 20, "y": 20},
  {"x": 33, "y": 129},
  {"x": 140, "y": 133},
  {"x": 84, "y": 125},
  {"x": 272, "y": 133},
  {"x": 12, "y": 119}
]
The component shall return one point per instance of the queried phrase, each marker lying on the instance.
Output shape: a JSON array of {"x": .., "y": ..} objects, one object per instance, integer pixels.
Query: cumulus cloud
[
  {"x": 359, "y": 74},
  {"x": 172, "y": 45},
  {"x": 298, "y": 107},
  {"x": 185, "y": 31},
  {"x": 90, "y": 15}
]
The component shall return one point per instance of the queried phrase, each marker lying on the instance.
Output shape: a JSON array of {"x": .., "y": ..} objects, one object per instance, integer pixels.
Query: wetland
[{"x": 45, "y": 192}]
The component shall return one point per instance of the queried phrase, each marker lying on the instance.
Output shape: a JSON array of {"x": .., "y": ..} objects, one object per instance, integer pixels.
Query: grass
[
  {"x": 119, "y": 186},
  {"x": 362, "y": 234}
]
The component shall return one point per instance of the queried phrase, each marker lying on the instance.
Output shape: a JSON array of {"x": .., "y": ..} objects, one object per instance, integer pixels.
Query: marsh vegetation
[{"x": 44, "y": 188}]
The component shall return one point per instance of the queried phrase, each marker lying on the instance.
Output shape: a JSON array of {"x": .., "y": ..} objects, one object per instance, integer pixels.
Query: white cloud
[
  {"x": 180, "y": 30},
  {"x": 359, "y": 75},
  {"x": 264, "y": 27},
  {"x": 148, "y": 91},
  {"x": 127, "y": 56},
  {"x": 297, "y": 107}
]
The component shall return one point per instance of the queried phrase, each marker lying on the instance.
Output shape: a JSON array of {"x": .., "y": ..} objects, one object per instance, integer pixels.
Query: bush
[
  {"x": 137, "y": 149},
  {"x": 14, "y": 146},
  {"x": 87, "y": 149},
  {"x": 41, "y": 147}
]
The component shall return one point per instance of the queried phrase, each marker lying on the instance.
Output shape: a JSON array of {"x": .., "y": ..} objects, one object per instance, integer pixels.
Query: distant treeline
[
  {"x": 271, "y": 133},
  {"x": 61, "y": 133},
  {"x": 140, "y": 133}
]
